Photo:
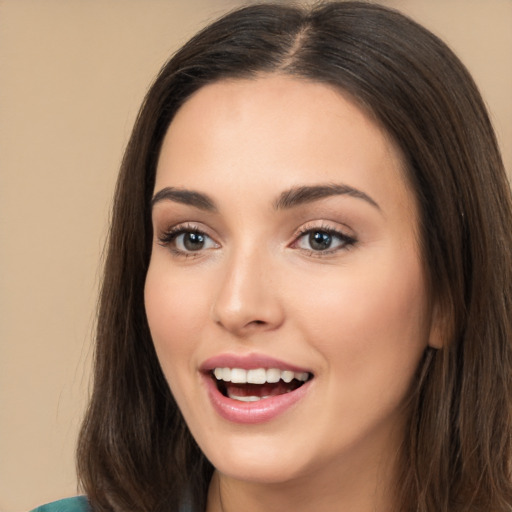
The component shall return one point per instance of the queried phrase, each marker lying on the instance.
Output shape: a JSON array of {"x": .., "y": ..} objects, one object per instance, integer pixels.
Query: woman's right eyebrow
[{"x": 183, "y": 196}]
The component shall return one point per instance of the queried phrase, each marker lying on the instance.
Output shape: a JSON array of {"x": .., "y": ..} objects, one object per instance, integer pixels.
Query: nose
[{"x": 248, "y": 300}]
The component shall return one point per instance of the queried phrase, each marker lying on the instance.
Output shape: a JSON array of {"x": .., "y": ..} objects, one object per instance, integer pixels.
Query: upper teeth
[{"x": 257, "y": 375}]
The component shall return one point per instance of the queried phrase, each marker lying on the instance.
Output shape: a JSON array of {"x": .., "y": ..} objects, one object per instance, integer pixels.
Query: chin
[
  {"x": 257, "y": 468},
  {"x": 260, "y": 458}
]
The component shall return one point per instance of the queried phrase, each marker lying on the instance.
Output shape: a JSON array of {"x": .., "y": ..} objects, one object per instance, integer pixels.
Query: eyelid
[{"x": 169, "y": 229}]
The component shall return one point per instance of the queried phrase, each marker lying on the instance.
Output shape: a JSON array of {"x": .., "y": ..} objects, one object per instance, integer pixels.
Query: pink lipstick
[{"x": 253, "y": 388}]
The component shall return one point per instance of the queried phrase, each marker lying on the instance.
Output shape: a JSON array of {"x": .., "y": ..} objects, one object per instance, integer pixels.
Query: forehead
[
  {"x": 280, "y": 131},
  {"x": 239, "y": 101}
]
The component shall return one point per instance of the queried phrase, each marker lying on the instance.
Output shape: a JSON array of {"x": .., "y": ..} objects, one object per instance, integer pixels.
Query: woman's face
[{"x": 285, "y": 293}]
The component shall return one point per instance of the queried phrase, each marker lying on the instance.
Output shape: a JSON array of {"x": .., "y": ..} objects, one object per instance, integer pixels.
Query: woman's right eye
[{"x": 186, "y": 241}]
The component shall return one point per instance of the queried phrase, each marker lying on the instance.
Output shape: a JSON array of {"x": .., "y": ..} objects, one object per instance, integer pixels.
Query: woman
[{"x": 308, "y": 287}]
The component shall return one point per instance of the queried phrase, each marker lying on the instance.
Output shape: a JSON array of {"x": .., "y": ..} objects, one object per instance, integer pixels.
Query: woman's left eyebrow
[{"x": 307, "y": 194}]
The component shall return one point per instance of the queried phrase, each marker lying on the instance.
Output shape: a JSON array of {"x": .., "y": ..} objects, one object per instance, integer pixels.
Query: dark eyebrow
[
  {"x": 307, "y": 194},
  {"x": 189, "y": 197}
]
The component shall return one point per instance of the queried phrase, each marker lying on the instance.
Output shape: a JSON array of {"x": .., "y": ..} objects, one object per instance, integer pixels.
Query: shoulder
[{"x": 77, "y": 504}]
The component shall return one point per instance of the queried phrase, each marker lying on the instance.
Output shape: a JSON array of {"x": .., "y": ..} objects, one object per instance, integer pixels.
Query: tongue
[{"x": 279, "y": 388}]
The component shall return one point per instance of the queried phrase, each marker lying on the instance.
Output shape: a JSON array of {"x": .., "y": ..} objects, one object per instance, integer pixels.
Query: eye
[
  {"x": 323, "y": 240},
  {"x": 193, "y": 241},
  {"x": 185, "y": 240}
]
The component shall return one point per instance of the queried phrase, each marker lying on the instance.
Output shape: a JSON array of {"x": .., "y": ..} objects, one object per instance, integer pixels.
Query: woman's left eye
[{"x": 323, "y": 240}]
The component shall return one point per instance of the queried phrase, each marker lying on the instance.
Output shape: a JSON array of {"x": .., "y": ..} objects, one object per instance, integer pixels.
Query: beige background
[{"x": 72, "y": 75}]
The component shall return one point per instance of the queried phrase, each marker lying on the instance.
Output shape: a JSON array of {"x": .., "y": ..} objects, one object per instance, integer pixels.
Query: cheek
[
  {"x": 174, "y": 315},
  {"x": 369, "y": 321}
]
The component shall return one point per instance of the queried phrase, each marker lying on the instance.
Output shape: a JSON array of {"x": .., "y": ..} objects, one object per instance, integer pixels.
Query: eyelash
[{"x": 168, "y": 239}]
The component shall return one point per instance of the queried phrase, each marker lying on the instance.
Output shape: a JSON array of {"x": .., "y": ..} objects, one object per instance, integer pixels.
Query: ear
[{"x": 440, "y": 326}]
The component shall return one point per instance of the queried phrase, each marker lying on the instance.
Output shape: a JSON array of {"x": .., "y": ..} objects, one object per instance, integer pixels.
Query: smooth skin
[{"x": 333, "y": 283}]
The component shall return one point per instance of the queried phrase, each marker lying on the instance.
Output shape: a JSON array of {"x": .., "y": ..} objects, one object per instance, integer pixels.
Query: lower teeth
[{"x": 247, "y": 398}]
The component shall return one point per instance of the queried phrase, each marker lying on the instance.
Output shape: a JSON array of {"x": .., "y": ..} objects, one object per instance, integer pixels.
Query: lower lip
[{"x": 261, "y": 411}]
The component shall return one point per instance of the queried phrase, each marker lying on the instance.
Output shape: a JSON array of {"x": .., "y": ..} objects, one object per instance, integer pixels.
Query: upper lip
[{"x": 248, "y": 362}]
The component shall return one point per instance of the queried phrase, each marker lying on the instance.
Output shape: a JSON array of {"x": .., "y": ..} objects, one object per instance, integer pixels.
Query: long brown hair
[{"x": 135, "y": 452}]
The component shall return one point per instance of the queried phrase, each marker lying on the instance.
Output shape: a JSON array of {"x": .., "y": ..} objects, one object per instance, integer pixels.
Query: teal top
[{"x": 77, "y": 504}]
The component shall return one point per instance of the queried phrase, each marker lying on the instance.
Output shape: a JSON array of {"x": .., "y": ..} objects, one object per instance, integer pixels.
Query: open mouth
[{"x": 257, "y": 384}]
